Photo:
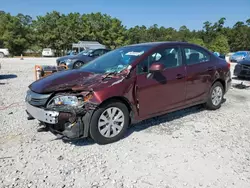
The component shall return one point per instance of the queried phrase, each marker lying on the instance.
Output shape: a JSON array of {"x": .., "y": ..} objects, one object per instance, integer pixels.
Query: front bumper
[
  {"x": 70, "y": 123},
  {"x": 40, "y": 114},
  {"x": 242, "y": 70}
]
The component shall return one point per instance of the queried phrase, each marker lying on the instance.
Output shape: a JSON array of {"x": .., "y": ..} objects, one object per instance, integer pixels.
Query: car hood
[
  {"x": 237, "y": 56},
  {"x": 245, "y": 62},
  {"x": 71, "y": 80}
]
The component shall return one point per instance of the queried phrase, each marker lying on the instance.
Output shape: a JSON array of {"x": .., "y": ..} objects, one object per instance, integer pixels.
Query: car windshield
[{"x": 115, "y": 60}]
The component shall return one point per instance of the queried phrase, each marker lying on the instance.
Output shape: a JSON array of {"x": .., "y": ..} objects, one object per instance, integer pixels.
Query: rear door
[
  {"x": 164, "y": 90},
  {"x": 200, "y": 71}
]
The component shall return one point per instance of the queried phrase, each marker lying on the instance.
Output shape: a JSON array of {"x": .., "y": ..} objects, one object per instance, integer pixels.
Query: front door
[{"x": 164, "y": 90}]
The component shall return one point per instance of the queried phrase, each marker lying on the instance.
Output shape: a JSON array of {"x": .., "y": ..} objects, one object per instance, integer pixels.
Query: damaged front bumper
[
  {"x": 242, "y": 70},
  {"x": 68, "y": 122},
  {"x": 42, "y": 115}
]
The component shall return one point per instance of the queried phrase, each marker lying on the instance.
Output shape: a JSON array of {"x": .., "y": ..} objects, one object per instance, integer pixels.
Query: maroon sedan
[{"x": 125, "y": 86}]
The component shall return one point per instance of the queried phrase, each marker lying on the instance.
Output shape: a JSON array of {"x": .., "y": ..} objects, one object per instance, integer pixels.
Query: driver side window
[
  {"x": 97, "y": 53},
  {"x": 170, "y": 57}
]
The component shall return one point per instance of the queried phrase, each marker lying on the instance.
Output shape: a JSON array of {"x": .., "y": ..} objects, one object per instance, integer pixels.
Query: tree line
[{"x": 58, "y": 31}]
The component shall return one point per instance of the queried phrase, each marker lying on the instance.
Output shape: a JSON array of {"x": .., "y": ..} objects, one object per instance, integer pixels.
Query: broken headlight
[{"x": 65, "y": 101}]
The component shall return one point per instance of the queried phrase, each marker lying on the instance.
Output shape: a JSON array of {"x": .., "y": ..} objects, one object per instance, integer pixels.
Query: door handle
[{"x": 179, "y": 76}]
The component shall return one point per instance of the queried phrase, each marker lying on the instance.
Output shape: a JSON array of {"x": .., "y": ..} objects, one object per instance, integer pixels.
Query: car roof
[{"x": 158, "y": 43}]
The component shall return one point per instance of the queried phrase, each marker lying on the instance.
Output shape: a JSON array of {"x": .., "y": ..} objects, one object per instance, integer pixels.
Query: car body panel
[{"x": 161, "y": 92}]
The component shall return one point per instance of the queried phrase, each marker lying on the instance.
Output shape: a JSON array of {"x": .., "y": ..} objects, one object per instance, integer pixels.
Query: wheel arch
[
  {"x": 78, "y": 61},
  {"x": 123, "y": 100},
  {"x": 222, "y": 82}
]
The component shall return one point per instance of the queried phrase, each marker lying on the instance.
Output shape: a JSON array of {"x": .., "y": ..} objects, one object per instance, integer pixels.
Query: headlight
[{"x": 65, "y": 101}]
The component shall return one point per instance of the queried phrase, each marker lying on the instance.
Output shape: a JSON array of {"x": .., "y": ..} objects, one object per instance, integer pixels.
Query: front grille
[
  {"x": 36, "y": 99},
  {"x": 246, "y": 67}
]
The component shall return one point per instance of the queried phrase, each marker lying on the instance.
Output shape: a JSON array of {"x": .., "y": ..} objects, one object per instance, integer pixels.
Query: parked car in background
[
  {"x": 4, "y": 52},
  {"x": 63, "y": 59},
  {"x": 242, "y": 68},
  {"x": 238, "y": 56},
  {"x": 75, "y": 62},
  {"x": 48, "y": 52},
  {"x": 128, "y": 85}
]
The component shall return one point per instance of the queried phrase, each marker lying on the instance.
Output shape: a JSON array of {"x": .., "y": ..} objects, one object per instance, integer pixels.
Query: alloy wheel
[{"x": 217, "y": 95}]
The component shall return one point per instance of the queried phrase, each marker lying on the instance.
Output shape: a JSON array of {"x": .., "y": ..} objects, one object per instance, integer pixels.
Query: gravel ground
[{"x": 188, "y": 148}]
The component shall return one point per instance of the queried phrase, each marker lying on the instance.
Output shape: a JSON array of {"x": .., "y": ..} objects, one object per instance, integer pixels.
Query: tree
[
  {"x": 220, "y": 44},
  {"x": 184, "y": 33},
  {"x": 239, "y": 38},
  {"x": 14, "y": 32},
  {"x": 59, "y": 31},
  {"x": 197, "y": 41}
]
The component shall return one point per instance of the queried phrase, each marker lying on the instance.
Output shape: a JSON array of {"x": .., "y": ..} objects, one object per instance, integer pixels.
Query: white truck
[{"x": 4, "y": 52}]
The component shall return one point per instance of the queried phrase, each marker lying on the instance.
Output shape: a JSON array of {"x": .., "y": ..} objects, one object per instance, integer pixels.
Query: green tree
[
  {"x": 197, "y": 41},
  {"x": 220, "y": 44},
  {"x": 239, "y": 38},
  {"x": 14, "y": 32}
]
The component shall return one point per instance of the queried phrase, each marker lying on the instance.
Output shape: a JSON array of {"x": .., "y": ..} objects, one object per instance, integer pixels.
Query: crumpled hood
[{"x": 67, "y": 80}]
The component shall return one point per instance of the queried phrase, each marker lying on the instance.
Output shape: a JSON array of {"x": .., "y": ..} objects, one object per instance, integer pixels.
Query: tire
[
  {"x": 78, "y": 64},
  {"x": 1, "y": 55},
  {"x": 97, "y": 125},
  {"x": 218, "y": 88}
]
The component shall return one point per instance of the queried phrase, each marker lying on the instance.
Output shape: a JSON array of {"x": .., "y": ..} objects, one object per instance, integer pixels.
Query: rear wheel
[
  {"x": 1, "y": 55},
  {"x": 215, "y": 97},
  {"x": 109, "y": 123},
  {"x": 78, "y": 64}
]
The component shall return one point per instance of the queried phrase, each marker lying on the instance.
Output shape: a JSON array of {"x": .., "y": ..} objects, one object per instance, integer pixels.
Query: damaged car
[
  {"x": 127, "y": 85},
  {"x": 242, "y": 68}
]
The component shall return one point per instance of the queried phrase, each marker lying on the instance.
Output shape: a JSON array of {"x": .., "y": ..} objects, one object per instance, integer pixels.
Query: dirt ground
[{"x": 189, "y": 148}]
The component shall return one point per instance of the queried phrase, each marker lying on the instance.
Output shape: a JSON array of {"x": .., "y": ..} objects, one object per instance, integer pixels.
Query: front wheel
[
  {"x": 109, "y": 122},
  {"x": 78, "y": 64},
  {"x": 215, "y": 97}
]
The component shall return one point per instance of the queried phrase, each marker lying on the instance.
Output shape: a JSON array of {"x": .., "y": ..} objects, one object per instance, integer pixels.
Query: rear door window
[{"x": 195, "y": 55}]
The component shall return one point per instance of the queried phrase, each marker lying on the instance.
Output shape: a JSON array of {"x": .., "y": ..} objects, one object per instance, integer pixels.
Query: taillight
[{"x": 228, "y": 65}]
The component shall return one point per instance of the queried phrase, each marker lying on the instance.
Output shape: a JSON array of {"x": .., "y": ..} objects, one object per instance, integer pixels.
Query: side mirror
[
  {"x": 91, "y": 55},
  {"x": 156, "y": 67}
]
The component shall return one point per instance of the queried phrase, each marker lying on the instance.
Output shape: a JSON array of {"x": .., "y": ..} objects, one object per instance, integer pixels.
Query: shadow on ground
[
  {"x": 167, "y": 118},
  {"x": 7, "y": 76},
  {"x": 149, "y": 123},
  {"x": 241, "y": 79}
]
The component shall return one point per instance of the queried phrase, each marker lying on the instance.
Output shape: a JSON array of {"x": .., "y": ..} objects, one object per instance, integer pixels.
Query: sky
[{"x": 167, "y": 13}]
